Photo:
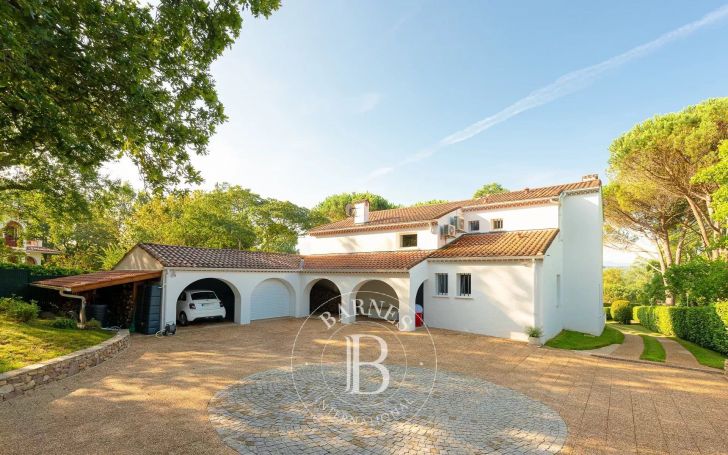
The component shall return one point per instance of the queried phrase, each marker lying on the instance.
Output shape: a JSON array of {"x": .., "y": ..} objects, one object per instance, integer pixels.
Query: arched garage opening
[
  {"x": 272, "y": 298},
  {"x": 222, "y": 290},
  {"x": 379, "y": 300},
  {"x": 324, "y": 296}
]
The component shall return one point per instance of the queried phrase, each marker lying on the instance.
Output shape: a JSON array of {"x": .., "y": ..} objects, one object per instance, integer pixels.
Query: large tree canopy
[
  {"x": 489, "y": 188},
  {"x": 85, "y": 82},
  {"x": 670, "y": 151},
  {"x": 333, "y": 208}
]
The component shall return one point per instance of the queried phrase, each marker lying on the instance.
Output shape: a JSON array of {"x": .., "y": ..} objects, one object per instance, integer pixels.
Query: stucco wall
[
  {"x": 243, "y": 283},
  {"x": 138, "y": 259},
  {"x": 501, "y": 303},
  {"x": 376, "y": 241},
  {"x": 549, "y": 298},
  {"x": 581, "y": 233},
  {"x": 517, "y": 218}
]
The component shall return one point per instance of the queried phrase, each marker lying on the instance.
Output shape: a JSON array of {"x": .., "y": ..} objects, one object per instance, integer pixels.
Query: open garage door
[{"x": 270, "y": 299}]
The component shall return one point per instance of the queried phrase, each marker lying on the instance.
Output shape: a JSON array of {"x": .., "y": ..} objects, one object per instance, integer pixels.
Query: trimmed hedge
[
  {"x": 621, "y": 311},
  {"x": 42, "y": 270},
  {"x": 703, "y": 325}
]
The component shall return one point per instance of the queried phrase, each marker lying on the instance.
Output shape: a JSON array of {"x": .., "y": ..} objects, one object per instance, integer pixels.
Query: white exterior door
[{"x": 270, "y": 299}]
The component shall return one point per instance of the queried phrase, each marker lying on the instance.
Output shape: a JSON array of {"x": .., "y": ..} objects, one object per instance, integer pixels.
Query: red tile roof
[
  {"x": 220, "y": 258},
  {"x": 499, "y": 244},
  {"x": 488, "y": 245},
  {"x": 421, "y": 216},
  {"x": 529, "y": 194},
  {"x": 86, "y": 282},
  {"x": 393, "y": 217},
  {"x": 381, "y": 260},
  {"x": 182, "y": 256}
]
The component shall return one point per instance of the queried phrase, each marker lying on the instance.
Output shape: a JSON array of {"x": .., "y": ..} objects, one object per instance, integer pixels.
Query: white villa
[{"x": 491, "y": 266}]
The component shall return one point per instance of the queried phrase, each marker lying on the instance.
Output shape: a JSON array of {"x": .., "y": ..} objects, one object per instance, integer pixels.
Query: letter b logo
[{"x": 354, "y": 364}]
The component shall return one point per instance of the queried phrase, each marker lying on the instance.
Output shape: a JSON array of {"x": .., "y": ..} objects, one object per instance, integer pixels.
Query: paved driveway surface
[{"x": 153, "y": 398}]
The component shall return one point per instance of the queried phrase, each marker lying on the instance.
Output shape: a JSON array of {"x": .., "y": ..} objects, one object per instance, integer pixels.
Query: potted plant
[{"x": 534, "y": 335}]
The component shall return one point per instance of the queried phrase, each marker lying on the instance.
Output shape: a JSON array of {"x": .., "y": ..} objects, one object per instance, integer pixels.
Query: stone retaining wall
[{"x": 17, "y": 382}]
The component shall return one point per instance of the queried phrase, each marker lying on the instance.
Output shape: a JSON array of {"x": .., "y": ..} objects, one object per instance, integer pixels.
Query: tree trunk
[
  {"x": 700, "y": 219},
  {"x": 665, "y": 254}
]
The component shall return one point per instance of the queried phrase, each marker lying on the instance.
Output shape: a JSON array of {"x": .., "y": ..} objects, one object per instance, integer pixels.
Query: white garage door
[{"x": 270, "y": 299}]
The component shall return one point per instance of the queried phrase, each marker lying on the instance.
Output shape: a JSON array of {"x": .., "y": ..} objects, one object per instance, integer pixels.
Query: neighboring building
[
  {"x": 493, "y": 265},
  {"x": 31, "y": 251}
]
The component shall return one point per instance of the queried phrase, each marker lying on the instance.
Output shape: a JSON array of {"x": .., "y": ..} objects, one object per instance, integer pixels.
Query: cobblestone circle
[{"x": 305, "y": 411}]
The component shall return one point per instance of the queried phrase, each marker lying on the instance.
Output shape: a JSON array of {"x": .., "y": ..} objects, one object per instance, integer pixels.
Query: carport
[{"x": 112, "y": 297}]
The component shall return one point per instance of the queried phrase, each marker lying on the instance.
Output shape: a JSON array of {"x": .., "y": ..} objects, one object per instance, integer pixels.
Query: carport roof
[{"x": 96, "y": 280}]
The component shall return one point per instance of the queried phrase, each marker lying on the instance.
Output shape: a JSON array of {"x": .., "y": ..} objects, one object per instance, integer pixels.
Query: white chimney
[
  {"x": 590, "y": 177},
  {"x": 361, "y": 212}
]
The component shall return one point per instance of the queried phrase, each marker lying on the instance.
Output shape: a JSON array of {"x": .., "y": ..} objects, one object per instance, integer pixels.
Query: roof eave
[
  {"x": 485, "y": 258},
  {"x": 371, "y": 227}
]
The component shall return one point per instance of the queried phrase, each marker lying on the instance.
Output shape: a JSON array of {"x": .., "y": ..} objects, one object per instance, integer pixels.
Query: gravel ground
[{"x": 154, "y": 397}]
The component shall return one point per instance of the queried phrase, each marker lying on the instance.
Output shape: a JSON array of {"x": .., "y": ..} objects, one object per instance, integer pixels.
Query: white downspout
[{"x": 82, "y": 313}]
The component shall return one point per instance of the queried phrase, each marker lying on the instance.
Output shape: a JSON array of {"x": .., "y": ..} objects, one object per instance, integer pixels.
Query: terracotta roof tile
[
  {"x": 394, "y": 216},
  {"x": 182, "y": 256},
  {"x": 420, "y": 215},
  {"x": 527, "y": 194},
  {"x": 221, "y": 258},
  {"x": 499, "y": 244},
  {"x": 381, "y": 260}
]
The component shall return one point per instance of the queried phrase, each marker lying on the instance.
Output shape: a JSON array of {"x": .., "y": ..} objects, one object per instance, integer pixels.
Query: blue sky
[{"x": 326, "y": 94}]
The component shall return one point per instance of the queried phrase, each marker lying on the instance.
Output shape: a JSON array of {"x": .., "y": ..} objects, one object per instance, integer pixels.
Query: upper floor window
[
  {"x": 441, "y": 283},
  {"x": 498, "y": 223},
  {"x": 464, "y": 284},
  {"x": 474, "y": 226},
  {"x": 408, "y": 240}
]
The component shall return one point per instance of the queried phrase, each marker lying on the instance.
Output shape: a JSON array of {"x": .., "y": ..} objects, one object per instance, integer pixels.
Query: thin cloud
[
  {"x": 366, "y": 102},
  {"x": 564, "y": 85}
]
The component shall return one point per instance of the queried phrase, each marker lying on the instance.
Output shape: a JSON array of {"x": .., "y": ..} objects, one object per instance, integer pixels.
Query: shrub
[
  {"x": 704, "y": 325},
  {"x": 534, "y": 332},
  {"x": 93, "y": 324},
  {"x": 621, "y": 311},
  {"x": 608, "y": 313},
  {"x": 63, "y": 323},
  {"x": 698, "y": 282},
  {"x": 18, "y": 309}
]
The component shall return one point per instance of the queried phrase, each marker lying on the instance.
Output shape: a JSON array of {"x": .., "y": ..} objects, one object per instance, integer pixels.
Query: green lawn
[
  {"x": 581, "y": 341},
  {"x": 22, "y": 344},
  {"x": 703, "y": 356},
  {"x": 634, "y": 329},
  {"x": 653, "y": 349}
]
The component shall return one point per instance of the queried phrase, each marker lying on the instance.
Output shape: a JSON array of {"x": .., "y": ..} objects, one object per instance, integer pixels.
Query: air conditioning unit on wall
[
  {"x": 458, "y": 222},
  {"x": 447, "y": 230}
]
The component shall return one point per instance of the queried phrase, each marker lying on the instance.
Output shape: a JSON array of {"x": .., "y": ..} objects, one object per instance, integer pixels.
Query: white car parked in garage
[{"x": 199, "y": 304}]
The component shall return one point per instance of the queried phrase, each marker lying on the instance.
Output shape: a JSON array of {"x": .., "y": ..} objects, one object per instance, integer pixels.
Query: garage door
[{"x": 270, "y": 299}]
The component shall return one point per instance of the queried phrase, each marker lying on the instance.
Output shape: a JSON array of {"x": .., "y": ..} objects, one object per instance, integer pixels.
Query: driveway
[{"x": 153, "y": 398}]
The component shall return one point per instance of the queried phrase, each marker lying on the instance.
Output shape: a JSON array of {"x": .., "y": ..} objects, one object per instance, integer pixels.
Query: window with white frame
[
  {"x": 464, "y": 284},
  {"x": 498, "y": 223},
  {"x": 441, "y": 283},
  {"x": 474, "y": 226},
  {"x": 408, "y": 240}
]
